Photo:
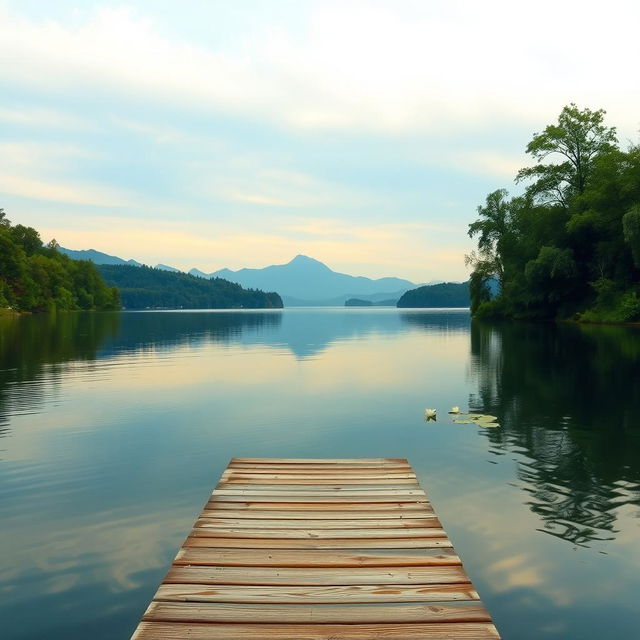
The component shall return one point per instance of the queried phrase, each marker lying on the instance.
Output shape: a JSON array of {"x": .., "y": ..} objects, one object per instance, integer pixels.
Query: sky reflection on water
[{"x": 115, "y": 427}]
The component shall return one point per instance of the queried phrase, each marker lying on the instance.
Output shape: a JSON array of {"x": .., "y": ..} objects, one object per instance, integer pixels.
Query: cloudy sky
[{"x": 231, "y": 133}]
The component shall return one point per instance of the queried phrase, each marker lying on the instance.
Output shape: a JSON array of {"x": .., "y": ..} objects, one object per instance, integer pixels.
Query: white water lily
[
  {"x": 429, "y": 413},
  {"x": 455, "y": 410}
]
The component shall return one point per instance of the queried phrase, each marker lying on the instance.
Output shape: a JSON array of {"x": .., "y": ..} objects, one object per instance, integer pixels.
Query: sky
[{"x": 219, "y": 133}]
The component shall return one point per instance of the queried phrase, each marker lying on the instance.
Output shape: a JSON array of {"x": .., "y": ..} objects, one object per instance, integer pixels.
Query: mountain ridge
[{"x": 303, "y": 281}]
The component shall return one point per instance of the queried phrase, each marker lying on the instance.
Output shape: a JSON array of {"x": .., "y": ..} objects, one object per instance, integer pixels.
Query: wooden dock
[{"x": 316, "y": 549}]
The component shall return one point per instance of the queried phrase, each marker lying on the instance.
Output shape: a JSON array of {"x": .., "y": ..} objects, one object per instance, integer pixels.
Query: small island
[
  {"x": 443, "y": 295},
  {"x": 357, "y": 302}
]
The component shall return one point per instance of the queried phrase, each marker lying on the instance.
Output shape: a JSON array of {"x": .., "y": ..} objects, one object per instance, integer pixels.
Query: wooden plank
[
  {"x": 314, "y": 475},
  {"x": 368, "y": 492},
  {"x": 450, "y": 574},
  {"x": 352, "y": 594},
  {"x": 277, "y": 482},
  {"x": 351, "y": 507},
  {"x": 317, "y": 499},
  {"x": 306, "y": 558},
  {"x": 379, "y": 516},
  {"x": 246, "y": 523},
  {"x": 204, "y": 528},
  {"x": 291, "y": 469},
  {"x": 424, "y": 631},
  {"x": 314, "y": 462},
  {"x": 222, "y": 612},
  {"x": 325, "y": 549},
  {"x": 318, "y": 471},
  {"x": 436, "y": 539}
]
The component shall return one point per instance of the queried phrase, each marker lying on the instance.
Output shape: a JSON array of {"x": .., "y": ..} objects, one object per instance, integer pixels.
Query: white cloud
[
  {"x": 72, "y": 193},
  {"x": 43, "y": 118},
  {"x": 39, "y": 171},
  {"x": 359, "y": 65}
]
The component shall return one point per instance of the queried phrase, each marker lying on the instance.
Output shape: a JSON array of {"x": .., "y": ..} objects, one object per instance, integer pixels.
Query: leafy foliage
[
  {"x": 37, "y": 278},
  {"x": 570, "y": 245},
  {"x": 148, "y": 288},
  {"x": 447, "y": 294}
]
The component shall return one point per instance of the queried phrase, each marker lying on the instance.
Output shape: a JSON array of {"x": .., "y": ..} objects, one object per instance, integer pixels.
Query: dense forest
[
  {"x": 148, "y": 288},
  {"x": 569, "y": 246},
  {"x": 34, "y": 277},
  {"x": 446, "y": 294}
]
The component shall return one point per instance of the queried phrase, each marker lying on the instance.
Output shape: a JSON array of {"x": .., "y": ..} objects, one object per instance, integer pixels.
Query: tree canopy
[
  {"x": 38, "y": 278},
  {"x": 569, "y": 246}
]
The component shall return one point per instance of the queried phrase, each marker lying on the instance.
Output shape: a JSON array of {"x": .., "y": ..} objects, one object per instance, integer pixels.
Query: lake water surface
[{"x": 114, "y": 428}]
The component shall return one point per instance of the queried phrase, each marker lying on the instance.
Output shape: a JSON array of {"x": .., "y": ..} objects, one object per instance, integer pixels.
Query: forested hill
[
  {"x": 569, "y": 247},
  {"x": 446, "y": 294},
  {"x": 38, "y": 278},
  {"x": 148, "y": 288}
]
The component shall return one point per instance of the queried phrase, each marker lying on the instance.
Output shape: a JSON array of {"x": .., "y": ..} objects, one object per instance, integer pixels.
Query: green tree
[
  {"x": 27, "y": 237},
  {"x": 571, "y": 244},
  {"x": 37, "y": 278},
  {"x": 492, "y": 229},
  {"x": 631, "y": 226},
  {"x": 578, "y": 137}
]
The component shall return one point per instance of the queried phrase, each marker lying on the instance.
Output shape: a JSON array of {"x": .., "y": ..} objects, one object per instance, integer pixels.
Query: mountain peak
[{"x": 302, "y": 259}]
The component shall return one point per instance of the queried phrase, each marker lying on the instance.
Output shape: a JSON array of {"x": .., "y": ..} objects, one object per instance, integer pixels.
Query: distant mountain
[
  {"x": 446, "y": 294},
  {"x": 166, "y": 267},
  {"x": 309, "y": 281},
  {"x": 147, "y": 288},
  {"x": 97, "y": 257},
  {"x": 302, "y": 282},
  {"x": 199, "y": 274}
]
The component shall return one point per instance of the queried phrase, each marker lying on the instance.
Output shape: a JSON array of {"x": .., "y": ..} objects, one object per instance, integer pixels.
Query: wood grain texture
[
  {"x": 342, "y": 594},
  {"x": 313, "y": 506},
  {"x": 221, "y": 612},
  {"x": 291, "y": 515},
  {"x": 321, "y": 492},
  {"x": 315, "y": 478},
  {"x": 313, "y": 558},
  {"x": 316, "y": 575},
  {"x": 439, "y": 539},
  {"x": 210, "y": 527},
  {"x": 428, "y": 631},
  {"x": 343, "y": 523},
  {"x": 316, "y": 549}
]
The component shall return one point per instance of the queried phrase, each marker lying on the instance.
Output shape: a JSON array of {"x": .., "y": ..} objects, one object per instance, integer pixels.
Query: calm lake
[{"x": 114, "y": 428}]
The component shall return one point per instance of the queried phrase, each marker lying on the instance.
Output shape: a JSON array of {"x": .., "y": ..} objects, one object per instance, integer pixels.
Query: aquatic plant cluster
[{"x": 481, "y": 419}]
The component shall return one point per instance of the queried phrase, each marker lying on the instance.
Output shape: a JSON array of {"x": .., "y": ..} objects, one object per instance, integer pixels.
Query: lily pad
[{"x": 482, "y": 420}]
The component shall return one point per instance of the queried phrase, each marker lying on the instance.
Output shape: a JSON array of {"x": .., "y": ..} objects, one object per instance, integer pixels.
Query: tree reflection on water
[{"x": 568, "y": 400}]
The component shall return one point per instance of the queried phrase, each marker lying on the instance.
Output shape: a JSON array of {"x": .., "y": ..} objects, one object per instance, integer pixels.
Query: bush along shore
[
  {"x": 569, "y": 246},
  {"x": 35, "y": 278}
]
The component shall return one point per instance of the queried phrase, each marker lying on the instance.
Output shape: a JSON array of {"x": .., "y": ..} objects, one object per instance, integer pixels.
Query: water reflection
[
  {"x": 121, "y": 424},
  {"x": 568, "y": 400},
  {"x": 444, "y": 321},
  {"x": 162, "y": 330},
  {"x": 34, "y": 350}
]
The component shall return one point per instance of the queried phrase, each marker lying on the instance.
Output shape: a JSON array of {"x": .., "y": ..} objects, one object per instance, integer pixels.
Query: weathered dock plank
[{"x": 316, "y": 549}]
